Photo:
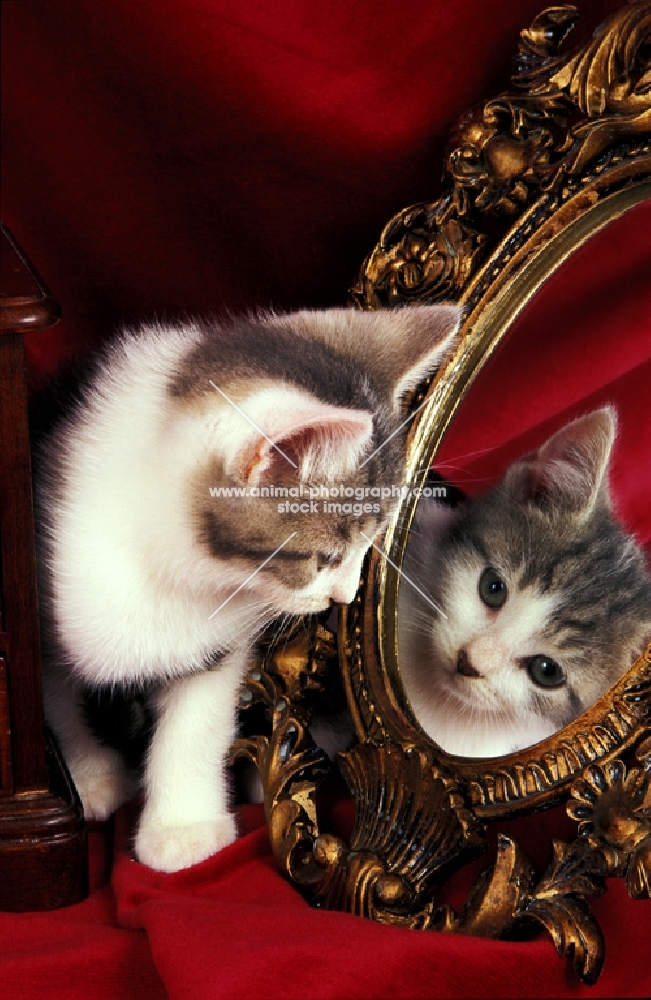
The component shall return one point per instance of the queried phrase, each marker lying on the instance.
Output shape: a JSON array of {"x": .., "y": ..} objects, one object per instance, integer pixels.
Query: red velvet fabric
[
  {"x": 164, "y": 157},
  {"x": 584, "y": 341}
]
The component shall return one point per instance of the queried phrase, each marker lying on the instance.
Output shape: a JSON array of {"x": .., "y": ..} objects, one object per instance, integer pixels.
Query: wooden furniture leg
[{"x": 43, "y": 856}]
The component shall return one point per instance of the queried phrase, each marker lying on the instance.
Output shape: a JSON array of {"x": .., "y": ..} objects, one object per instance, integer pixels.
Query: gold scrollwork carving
[
  {"x": 575, "y": 131},
  {"x": 415, "y": 823},
  {"x": 623, "y": 711},
  {"x": 507, "y": 152},
  {"x": 411, "y": 824},
  {"x": 613, "y": 808},
  {"x": 294, "y": 665}
]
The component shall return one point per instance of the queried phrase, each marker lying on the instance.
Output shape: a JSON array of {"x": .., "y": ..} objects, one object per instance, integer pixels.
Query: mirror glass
[{"x": 521, "y": 601}]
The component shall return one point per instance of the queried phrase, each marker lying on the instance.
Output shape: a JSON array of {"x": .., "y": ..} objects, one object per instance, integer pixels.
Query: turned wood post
[{"x": 43, "y": 860}]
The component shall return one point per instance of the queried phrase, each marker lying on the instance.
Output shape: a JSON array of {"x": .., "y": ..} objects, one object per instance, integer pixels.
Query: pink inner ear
[
  {"x": 569, "y": 469},
  {"x": 317, "y": 441}
]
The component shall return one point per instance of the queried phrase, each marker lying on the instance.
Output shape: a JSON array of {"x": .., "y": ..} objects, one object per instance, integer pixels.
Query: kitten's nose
[{"x": 465, "y": 667}]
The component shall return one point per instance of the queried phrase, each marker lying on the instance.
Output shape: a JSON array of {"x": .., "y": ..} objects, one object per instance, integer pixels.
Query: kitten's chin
[
  {"x": 461, "y": 689},
  {"x": 308, "y": 606},
  {"x": 476, "y": 697}
]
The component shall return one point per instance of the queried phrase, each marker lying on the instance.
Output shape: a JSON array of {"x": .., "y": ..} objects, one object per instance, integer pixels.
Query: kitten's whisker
[
  {"x": 419, "y": 630},
  {"x": 404, "y": 575},
  {"x": 449, "y": 467},
  {"x": 420, "y": 620},
  {"x": 235, "y": 406},
  {"x": 282, "y": 623},
  {"x": 467, "y": 454},
  {"x": 393, "y": 433},
  {"x": 254, "y": 573},
  {"x": 420, "y": 614}
]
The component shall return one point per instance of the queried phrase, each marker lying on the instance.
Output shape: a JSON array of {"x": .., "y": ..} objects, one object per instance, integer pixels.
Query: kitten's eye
[
  {"x": 331, "y": 559},
  {"x": 544, "y": 671},
  {"x": 492, "y": 589}
]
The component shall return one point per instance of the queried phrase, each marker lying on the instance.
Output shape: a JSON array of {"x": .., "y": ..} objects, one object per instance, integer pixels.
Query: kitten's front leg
[
  {"x": 186, "y": 818},
  {"x": 99, "y": 773}
]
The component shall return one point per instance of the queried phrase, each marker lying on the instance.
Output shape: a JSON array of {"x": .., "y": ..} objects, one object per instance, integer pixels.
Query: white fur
[
  {"x": 470, "y": 716},
  {"x": 136, "y": 598},
  {"x": 339, "y": 435},
  {"x": 134, "y": 595},
  {"x": 142, "y": 612},
  {"x": 489, "y": 715},
  {"x": 133, "y": 601},
  {"x": 186, "y": 816},
  {"x": 149, "y": 591},
  {"x": 100, "y": 775}
]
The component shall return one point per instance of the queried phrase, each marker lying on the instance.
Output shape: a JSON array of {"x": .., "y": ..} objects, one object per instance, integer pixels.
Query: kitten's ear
[
  {"x": 290, "y": 430},
  {"x": 569, "y": 472},
  {"x": 398, "y": 347},
  {"x": 418, "y": 339}
]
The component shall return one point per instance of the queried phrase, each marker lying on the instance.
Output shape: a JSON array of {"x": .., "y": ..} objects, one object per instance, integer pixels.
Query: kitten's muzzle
[{"x": 465, "y": 667}]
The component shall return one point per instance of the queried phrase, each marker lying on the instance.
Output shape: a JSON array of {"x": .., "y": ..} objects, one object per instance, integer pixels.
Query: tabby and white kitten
[
  {"x": 148, "y": 580},
  {"x": 543, "y": 597}
]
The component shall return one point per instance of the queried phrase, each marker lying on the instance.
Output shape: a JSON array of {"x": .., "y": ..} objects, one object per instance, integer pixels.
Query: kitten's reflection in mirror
[{"x": 518, "y": 609}]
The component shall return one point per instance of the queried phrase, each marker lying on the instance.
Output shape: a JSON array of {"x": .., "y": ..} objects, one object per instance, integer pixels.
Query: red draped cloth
[{"x": 177, "y": 156}]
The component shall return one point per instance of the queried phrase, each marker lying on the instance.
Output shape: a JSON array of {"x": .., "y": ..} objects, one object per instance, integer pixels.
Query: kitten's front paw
[{"x": 170, "y": 848}]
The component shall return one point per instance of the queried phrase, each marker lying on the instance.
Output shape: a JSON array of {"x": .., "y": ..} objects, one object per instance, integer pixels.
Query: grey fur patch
[
  {"x": 596, "y": 572},
  {"x": 242, "y": 353},
  {"x": 246, "y": 350}
]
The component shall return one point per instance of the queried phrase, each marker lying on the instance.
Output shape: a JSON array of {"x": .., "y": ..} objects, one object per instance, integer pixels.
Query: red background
[{"x": 167, "y": 157}]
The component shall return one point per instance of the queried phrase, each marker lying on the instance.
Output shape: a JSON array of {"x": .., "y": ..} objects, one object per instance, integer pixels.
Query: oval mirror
[
  {"x": 541, "y": 235},
  {"x": 519, "y": 610}
]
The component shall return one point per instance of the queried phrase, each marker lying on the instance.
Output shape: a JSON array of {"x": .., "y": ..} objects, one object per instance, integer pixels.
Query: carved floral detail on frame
[
  {"x": 415, "y": 823},
  {"x": 612, "y": 806},
  {"x": 512, "y": 149},
  {"x": 576, "y": 129}
]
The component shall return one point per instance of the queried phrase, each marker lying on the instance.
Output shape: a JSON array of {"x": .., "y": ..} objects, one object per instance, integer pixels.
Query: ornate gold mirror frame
[{"x": 540, "y": 169}]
